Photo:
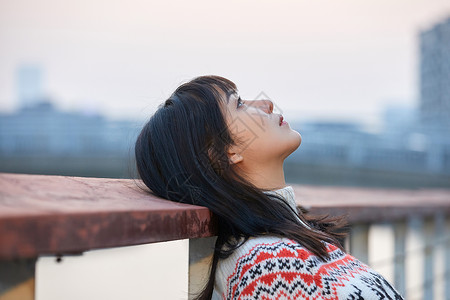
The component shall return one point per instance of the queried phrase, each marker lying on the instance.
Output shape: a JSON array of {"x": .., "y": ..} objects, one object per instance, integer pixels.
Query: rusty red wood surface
[
  {"x": 42, "y": 214},
  {"x": 56, "y": 214}
]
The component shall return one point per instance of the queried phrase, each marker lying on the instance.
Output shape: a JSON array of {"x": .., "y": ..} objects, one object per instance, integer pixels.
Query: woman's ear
[{"x": 233, "y": 156}]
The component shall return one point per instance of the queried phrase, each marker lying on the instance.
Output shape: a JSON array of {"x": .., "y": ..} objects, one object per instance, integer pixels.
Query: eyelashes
[{"x": 239, "y": 102}]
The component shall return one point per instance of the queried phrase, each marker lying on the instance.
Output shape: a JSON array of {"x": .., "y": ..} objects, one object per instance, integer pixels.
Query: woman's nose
[{"x": 265, "y": 105}]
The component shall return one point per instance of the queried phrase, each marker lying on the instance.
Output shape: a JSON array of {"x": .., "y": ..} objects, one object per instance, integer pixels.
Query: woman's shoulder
[{"x": 269, "y": 265}]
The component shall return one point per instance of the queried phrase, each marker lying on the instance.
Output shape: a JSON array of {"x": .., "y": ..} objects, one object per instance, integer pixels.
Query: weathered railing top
[{"x": 58, "y": 215}]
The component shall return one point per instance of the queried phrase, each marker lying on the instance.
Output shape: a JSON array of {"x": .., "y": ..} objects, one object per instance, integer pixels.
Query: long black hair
[{"x": 181, "y": 155}]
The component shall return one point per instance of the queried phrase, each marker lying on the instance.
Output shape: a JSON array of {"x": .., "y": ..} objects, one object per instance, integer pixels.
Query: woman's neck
[{"x": 267, "y": 176}]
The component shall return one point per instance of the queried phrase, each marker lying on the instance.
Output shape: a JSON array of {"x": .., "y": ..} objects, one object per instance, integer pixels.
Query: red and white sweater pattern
[{"x": 270, "y": 267}]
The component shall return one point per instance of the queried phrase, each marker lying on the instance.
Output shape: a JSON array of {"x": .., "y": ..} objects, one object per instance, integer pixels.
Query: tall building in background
[
  {"x": 435, "y": 75},
  {"x": 29, "y": 85}
]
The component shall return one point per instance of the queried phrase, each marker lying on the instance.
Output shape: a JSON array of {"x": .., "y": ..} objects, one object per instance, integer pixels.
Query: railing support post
[
  {"x": 359, "y": 242},
  {"x": 399, "y": 256},
  {"x": 428, "y": 258},
  {"x": 415, "y": 258},
  {"x": 446, "y": 274},
  {"x": 439, "y": 263}
]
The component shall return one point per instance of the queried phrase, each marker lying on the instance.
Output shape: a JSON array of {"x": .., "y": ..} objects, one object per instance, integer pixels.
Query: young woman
[{"x": 207, "y": 146}]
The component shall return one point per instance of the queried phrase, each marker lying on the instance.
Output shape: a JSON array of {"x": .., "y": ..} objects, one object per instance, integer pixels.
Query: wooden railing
[{"x": 55, "y": 216}]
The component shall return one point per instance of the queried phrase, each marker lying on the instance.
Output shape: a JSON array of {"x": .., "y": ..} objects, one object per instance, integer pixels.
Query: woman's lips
[{"x": 282, "y": 122}]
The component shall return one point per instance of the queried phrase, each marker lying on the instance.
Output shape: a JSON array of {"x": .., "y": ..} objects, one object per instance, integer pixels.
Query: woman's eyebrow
[{"x": 229, "y": 94}]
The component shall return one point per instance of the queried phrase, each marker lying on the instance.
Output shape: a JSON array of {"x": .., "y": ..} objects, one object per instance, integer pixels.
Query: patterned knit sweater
[{"x": 270, "y": 267}]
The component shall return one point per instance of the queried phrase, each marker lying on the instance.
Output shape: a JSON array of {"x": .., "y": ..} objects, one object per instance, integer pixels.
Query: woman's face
[{"x": 261, "y": 136}]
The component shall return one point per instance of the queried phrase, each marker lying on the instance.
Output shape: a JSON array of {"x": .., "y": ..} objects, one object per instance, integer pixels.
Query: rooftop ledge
[{"x": 42, "y": 215}]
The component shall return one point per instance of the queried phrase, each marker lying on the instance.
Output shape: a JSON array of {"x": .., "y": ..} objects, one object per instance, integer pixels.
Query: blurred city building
[
  {"x": 42, "y": 130},
  {"x": 435, "y": 75},
  {"x": 398, "y": 148},
  {"x": 435, "y": 93}
]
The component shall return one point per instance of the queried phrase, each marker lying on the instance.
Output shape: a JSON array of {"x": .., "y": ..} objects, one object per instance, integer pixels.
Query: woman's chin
[
  {"x": 299, "y": 139},
  {"x": 293, "y": 145}
]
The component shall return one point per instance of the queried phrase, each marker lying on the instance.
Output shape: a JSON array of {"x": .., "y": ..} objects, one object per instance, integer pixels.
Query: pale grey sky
[{"x": 318, "y": 58}]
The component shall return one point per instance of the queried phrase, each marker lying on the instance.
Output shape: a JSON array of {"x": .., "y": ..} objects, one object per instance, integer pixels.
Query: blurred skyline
[{"x": 320, "y": 59}]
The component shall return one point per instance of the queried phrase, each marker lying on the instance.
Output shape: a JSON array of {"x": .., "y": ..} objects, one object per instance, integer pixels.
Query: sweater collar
[{"x": 287, "y": 193}]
